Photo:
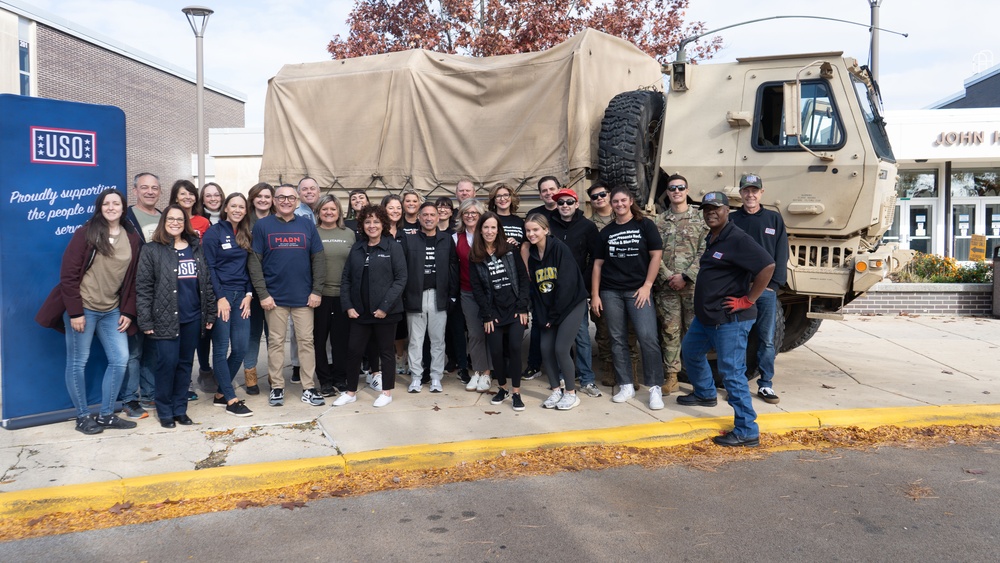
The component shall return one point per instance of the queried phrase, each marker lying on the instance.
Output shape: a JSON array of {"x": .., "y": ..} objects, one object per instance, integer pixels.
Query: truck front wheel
[
  {"x": 627, "y": 143},
  {"x": 798, "y": 327}
]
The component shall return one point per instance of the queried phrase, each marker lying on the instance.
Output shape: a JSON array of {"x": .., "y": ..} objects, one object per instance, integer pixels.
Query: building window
[
  {"x": 983, "y": 182},
  {"x": 917, "y": 183},
  {"x": 24, "y": 55}
]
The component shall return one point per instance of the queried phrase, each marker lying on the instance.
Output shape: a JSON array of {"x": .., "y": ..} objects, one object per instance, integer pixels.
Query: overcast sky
[{"x": 247, "y": 41}]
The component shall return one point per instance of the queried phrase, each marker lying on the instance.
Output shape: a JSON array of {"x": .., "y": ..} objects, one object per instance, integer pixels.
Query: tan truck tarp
[{"x": 429, "y": 119}]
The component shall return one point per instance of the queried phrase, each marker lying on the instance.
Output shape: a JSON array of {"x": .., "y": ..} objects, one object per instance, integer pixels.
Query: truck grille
[{"x": 814, "y": 255}]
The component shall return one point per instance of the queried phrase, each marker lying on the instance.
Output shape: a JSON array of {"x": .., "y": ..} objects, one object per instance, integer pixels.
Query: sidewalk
[{"x": 864, "y": 371}]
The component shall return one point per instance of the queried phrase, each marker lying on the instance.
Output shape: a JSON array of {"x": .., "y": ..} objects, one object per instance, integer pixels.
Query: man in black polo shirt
[{"x": 734, "y": 271}]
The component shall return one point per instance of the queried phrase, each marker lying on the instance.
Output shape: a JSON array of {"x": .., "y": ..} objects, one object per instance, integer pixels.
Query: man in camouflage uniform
[{"x": 684, "y": 234}]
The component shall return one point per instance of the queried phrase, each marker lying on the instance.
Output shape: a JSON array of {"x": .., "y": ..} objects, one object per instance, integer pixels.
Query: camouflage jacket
[{"x": 684, "y": 236}]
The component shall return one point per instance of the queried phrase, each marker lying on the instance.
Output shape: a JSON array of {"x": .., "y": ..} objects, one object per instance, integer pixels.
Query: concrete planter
[{"x": 955, "y": 299}]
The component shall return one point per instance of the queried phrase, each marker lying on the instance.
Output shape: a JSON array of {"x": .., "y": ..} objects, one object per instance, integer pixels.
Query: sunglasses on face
[
  {"x": 599, "y": 195},
  {"x": 565, "y": 202},
  {"x": 676, "y": 188}
]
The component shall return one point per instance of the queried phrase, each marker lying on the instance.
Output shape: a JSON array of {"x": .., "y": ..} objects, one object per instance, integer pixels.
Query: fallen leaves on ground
[{"x": 702, "y": 455}]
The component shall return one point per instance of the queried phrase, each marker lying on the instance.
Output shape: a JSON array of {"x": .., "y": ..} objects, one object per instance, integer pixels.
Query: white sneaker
[
  {"x": 626, "y": 393},
  {"x": 568, "y": 401},
  {"x": 345, "y": 399},
  {"x": 473, "y": 383},
  {"x": 382, "y": 400},
  {"x": 655, "y": 398},
  {"x": 415, "y": 386},
  {"x": 368, "y": 377},
  {"x": 376, "y": 382},
  {"x": 553, "y": 399},
  {"x": 436, "y": 386},
  {"x": 485, "y": 382}
]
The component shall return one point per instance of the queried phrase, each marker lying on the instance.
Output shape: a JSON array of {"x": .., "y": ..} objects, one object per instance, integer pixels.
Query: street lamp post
[{"x": 197, "y": 16}]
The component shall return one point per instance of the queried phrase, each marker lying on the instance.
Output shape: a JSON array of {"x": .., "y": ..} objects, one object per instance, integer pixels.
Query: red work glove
[{"x": 736, "y": 304}]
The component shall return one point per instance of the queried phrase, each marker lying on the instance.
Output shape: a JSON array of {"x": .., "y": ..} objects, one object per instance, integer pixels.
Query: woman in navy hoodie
[{"x": 559, "y": 301}]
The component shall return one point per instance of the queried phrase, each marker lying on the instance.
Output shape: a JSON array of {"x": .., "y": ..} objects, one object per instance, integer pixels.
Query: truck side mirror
[{"x": 792, "y": 96}]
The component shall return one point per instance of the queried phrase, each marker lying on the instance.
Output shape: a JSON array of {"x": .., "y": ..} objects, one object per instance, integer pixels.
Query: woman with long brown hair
[{"x": 226, "y": 245}]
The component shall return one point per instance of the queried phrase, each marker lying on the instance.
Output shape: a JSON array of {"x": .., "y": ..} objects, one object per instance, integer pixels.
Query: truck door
[{"x": 810, "y": 192}]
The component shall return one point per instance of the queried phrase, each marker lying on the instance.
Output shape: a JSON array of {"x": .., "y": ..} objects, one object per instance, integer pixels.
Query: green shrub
[{"x": 931, "y": 268}]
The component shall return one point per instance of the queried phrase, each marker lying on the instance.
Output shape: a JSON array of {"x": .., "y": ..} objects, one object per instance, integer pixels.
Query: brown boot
[
  {"x": 251, "y": 379},
  {"x": 608, "y": 374},
  {"x": 669, "y": 384}
]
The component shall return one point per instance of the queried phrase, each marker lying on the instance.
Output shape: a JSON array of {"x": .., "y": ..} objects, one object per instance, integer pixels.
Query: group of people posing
[{"x": 400, "y": 287}]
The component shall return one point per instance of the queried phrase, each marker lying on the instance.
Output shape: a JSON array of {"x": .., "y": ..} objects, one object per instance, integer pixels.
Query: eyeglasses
[
  {"x": 285, "y": 198},
  {"x": 599, "y": 195},
  {"x": 502, "y": 196},
  {"x": 470, "y": 214},
  {"x": 174, "y": 220},
  {"x": 565, "y": 202},
  {"x": 676, "y": 188}
]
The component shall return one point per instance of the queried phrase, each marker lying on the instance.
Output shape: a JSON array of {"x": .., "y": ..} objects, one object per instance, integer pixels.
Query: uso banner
[{"x": 55, "y": 158}]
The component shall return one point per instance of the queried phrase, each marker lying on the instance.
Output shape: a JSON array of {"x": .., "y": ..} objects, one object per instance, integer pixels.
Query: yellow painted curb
[
  {"x": 150, "y": 489},
  {"x": 251, "y": 477}
]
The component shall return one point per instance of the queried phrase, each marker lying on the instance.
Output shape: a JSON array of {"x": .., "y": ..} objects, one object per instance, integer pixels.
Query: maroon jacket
[{"x": 65, "y": 297}]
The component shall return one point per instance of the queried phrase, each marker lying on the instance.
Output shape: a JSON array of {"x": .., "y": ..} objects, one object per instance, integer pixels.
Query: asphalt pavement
[
  {"x": 885, "y": 504},
  {"x": 864, "y": 371}
]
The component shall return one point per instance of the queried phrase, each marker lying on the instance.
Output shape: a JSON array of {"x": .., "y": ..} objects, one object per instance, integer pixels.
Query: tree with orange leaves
[{"x": 501, "y": 27}]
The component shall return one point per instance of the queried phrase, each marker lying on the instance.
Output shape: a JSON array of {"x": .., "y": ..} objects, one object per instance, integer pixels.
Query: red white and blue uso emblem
[
  {"x": 717, "y": 255},
  {"x": 50, "y": 145}
]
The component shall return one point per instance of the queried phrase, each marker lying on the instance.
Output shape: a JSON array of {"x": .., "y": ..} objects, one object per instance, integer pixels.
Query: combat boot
[
  {"x": 251, "y": 380},
  {"x": 669, "y": 384}
]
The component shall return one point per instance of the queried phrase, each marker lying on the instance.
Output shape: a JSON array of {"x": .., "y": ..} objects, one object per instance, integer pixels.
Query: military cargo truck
[{"x": 809, "y": 125}]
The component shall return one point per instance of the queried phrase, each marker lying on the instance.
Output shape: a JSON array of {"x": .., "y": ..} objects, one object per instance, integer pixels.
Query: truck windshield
[
  {"x": 822, "y": 127},
  {"x": 873, "y": 120}
]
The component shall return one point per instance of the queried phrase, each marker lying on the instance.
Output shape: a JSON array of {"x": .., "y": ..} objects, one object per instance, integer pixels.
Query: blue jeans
[
  {"x": 140, "y": 380},
  {"x": 584, "y": 351},
  {"x": 767, "y": 310},
  {"x": 730, "y": 343},
  {"x": 236, "y": 333},
  {"x": 619, "y": 308},
  {"x": 258, "y": 326},
  {"x": 105, "y": 326},
  {"x": 174, "y": 360}
]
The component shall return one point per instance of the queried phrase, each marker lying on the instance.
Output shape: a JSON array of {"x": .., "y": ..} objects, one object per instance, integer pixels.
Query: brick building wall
[
  {"x": 160, "y": 108},
  {"x": 956, "y": 299}
]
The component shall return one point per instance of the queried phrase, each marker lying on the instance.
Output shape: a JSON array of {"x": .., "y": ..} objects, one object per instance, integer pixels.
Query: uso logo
[{"x": 63, "y": 146}]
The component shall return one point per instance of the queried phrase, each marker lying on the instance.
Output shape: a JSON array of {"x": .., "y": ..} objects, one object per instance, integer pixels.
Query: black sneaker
[
  {"x": 692, "y": 400},
  {"x": 500, "y": 396},
  {"x": 192, "y": 396},
  {"x": 220, "y": 401},
  {"x": 463, "y": 374},
  {"x": 239, "y": 408},
  {"x": 88, "y": 425},
  {"x": 133, "y": 409},
  {"x": 530, "y": 373},
  {"x": 112, "y": 421},
  {"x": 277, "y": 397},
  {"x": 768, "y": 395},
  {"x": 328, "y": 391},
  {"x": 516, "y": 402},
  {"x": 295, "y": 374}
]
